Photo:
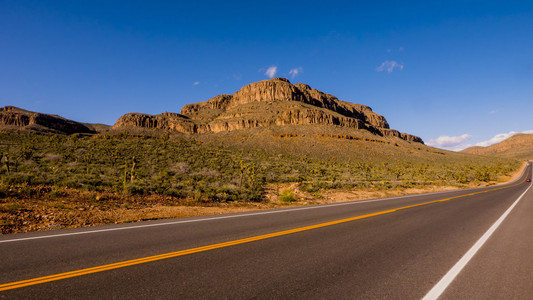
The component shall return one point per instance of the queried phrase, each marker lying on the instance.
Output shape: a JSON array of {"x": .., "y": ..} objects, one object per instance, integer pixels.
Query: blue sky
[{"x": 455, "y": 73}]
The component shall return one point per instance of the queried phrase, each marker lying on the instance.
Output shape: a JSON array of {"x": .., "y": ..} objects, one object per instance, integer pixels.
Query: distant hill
[
  {"x": 266, "y": 104},
  {"x": 518, "y": 146},
  {"x": 15, "y": 118}
]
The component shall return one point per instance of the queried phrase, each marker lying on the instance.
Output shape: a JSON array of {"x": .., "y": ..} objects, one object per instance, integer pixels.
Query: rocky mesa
[
  {"x": 17, "y": 118},
  {"x": 273, "y": 102}
]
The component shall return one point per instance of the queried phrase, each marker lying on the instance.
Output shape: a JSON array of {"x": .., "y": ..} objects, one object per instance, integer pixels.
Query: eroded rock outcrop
[
  {"x": 167, "y": 121},
  {"x": 19, "y": 118},
  {"x": 274, "y": 102}
]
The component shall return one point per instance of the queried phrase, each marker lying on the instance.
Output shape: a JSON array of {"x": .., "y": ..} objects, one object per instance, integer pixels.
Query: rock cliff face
[
  {"x": 15, "y": 117},
  {"x": 274, "y": 102},
  {"x": 167, "y": 121}
]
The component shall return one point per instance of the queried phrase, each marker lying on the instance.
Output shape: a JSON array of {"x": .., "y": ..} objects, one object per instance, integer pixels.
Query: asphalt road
[{"x": 397, "y": 248}]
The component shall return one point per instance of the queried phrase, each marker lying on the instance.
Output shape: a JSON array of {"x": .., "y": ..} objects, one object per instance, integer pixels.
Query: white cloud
[
  {"x": 500, "y": 137},
  {"x": 389, "y": 66},
  {"x": 492, "y": 112},
  {"x": 271, "y": 71},
  {"x": 456, "y": 143},
  {"x": 196, "y": 83},
  {"x": 449, "y": 142},
  {"x": 295, "y": 71}
]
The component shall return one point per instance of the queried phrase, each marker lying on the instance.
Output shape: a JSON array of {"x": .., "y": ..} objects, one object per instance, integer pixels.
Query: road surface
[{"x": 472, "y": 244}]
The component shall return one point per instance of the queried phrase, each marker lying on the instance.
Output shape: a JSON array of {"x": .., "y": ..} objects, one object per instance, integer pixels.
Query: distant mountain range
[
  {"x": 517, "y": 146},
  {"x": 265, "y": 104}
]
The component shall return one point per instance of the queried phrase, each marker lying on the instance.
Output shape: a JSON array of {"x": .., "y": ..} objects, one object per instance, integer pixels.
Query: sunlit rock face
[{"x": 273, "y": 102}]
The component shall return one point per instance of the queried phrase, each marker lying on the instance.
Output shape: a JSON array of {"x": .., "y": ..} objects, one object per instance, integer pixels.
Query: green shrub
[
  {"x": 287, "y": 196},
  {"x": 10, "y": 208},
  {"x": 310, "y": 187}
]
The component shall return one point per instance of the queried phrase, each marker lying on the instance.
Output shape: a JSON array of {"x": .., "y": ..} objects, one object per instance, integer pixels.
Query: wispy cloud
[
  {"x": 492, "y": 112},
  {"x": 271, "y": 71},
  {"x": 389, "y": 50},
  {"x": 500, "y": 137},
  {"x": 295, "y": 71},
  {"x": 196, "y": 83},
  {"x": 449, "y": 142},
  {"x": 389, "y": 66}
]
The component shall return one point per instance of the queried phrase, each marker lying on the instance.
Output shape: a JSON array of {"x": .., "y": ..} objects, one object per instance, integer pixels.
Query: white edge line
[
  {"x": 231, "y": 216},
  {"x": 441, "y": 286}
]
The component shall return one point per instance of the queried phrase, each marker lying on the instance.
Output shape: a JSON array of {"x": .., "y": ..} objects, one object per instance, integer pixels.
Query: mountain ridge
[
  {"x": 518, "y": 146},
  {"x": 12, "y": 117},
  {"x": 264, "y": 104},
  {"x": 272, "y": 102}
]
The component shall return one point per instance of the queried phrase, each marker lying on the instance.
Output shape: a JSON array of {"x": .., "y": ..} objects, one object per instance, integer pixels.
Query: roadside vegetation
[{"x": 137, "y": 172}]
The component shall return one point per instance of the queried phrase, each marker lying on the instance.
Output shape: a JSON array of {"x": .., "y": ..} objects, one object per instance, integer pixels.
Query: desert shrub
[
  {"x": 20, "y": 178},
  {"x": 175, "y": 192},
  {"x": 287, "y": 196},
  {"x": 483, "y": 174},
  {"x": 56, "y": 192},
  {"x": 134, "y": 189},
  {"x": 254, "y": 194},
  {"x": 10, "y": 207},
  {"x": 4, "y": 191},
  {"x": 15, "y": 191},
  {"x": 310, "y": 187}
]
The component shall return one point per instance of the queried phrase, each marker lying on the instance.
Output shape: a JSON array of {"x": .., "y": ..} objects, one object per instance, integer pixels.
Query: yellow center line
[{"x": 54, "y": 277}]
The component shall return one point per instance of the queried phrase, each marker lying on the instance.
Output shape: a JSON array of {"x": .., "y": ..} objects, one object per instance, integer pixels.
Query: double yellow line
[{"x": 39, "y": 280}]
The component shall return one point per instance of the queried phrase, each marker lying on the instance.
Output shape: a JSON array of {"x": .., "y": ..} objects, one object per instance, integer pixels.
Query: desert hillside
[{"x": 518, "y": 146}]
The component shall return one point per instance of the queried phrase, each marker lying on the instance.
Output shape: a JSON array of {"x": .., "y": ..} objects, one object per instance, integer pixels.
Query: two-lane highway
[{"x": 404, "y": 247}]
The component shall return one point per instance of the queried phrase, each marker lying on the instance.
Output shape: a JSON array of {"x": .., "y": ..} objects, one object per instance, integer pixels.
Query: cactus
[
  {"x": 6, "y": 160},
  {"x": 164, "y": 139},
  {"x": 125, "y": 175},
  {"x": 252, "y": 173},
  {"x": 133, "y": 164},
  {"x": 242, "y": 168}
]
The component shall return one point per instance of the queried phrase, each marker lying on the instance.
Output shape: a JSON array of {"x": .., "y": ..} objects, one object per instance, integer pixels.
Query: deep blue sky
[{"x": 432, "y": 68}]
